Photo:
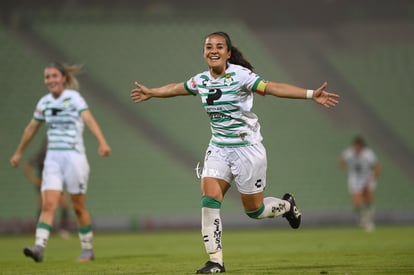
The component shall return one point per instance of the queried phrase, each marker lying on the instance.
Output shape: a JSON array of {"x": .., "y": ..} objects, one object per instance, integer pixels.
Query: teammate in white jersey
[
  {"x": 235, "y": 153},
  {"x": 363, "y": 171},
  {"x": 64, "y": 111}
]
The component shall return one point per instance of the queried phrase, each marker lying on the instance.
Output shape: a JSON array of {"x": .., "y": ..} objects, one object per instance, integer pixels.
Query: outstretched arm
[
  {"x": 141, "y": 93},
  {"x": 319, "y": 95}
]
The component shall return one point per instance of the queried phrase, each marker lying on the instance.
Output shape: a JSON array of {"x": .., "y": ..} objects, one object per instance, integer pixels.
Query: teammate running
[
  {"x": 363, "y": 171},
  {"x": 235, "y": 152},
  {"x": 64, "y": 110}
]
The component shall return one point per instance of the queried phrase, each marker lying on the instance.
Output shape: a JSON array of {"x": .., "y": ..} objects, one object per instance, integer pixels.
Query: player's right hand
[
  {"x": 15, "y": 159},
  {"x": 140, "y": 93}
]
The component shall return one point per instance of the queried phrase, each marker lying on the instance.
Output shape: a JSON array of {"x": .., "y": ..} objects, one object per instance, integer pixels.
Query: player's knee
[{"x": 255, "y": 214}]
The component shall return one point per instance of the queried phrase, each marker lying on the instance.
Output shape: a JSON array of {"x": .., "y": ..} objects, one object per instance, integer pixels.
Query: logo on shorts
[
  {"x": 208, "y": 154},
  {"x": 82, "y": 187}
]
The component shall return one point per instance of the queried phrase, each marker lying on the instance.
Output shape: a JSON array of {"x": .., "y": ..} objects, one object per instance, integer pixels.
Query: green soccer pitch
[{"x": 387, "y": 250}]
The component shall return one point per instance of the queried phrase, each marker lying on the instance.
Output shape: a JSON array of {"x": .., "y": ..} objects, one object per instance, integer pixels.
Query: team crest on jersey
[
  {"x": 228, "y": 80},
  {"x": 66, "y": 102}
]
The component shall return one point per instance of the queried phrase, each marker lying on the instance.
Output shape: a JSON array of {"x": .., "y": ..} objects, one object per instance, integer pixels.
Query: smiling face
[
  {"x": 54, "y": 81},
  {"x": 216, "y": 54}
]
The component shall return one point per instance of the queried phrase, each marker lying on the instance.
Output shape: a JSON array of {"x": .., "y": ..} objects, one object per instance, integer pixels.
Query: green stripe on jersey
[
  {"x": 221, "y": 86},
  {"x": 62, "y": 135},
  {"x": 221, "y": 103},
  {"x": 231, "y": 92},
  {"x": 82, "y": 110},
  {"x": 222, "y": 119},
  {"x": 230, "y": 135},
  {"x": 61, "y": 149},
  {"x": 230, "y": 144},
  {"x": 233, "y": 126}
]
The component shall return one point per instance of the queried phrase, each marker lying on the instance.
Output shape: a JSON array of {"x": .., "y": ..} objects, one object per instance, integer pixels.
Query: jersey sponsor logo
[
  {"x": 217, "y": 116},
  {"x": 56, "y": 111},
  {"x": 214, "y": 108}
]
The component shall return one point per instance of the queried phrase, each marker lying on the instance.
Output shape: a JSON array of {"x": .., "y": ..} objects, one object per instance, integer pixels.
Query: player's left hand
[{"x": 325, "y": 98}]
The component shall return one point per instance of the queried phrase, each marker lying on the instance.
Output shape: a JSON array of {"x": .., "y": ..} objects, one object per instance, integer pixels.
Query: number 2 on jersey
[{"x": 213, "y": 94}]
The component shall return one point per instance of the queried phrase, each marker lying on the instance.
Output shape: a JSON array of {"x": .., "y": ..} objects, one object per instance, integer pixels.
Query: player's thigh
[
  {"x": 77, "y": 173},
  {"x": 52, "y": 176},
  {"x": 250, "y": 169},
  {"x": 216, "y": 164}
]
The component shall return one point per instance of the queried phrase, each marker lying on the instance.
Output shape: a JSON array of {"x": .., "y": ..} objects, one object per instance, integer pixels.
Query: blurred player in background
[
  {"x": 33, "y": 169},
  {"x": 65, "y": 111},
  {"x": 235, "y": 152},
  {"x": 363, "y": 171}
]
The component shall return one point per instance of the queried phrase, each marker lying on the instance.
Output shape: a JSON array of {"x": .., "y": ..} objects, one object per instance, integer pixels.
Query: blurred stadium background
[{"x": 364, "y": 49}]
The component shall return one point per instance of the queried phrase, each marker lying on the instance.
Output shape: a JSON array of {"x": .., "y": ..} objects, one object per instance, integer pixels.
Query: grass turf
[{"x": 387, "y": 250}]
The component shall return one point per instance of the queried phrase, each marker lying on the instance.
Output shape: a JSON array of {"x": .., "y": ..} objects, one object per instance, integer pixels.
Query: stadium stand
[{"x": 145, "y": 184}]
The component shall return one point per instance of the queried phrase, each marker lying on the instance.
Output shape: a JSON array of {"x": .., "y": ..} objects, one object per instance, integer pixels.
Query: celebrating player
[
  {"x": 64, "y": 110},
  {"x": 235, "y": 152}
]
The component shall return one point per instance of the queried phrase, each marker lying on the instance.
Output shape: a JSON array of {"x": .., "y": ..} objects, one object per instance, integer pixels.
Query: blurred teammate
[
  {"x": 65, "y": 111},
  {"x": 235, "y": 152},
  {"x": 363, "y": 171},
  {"x": 33, "y": 169}
]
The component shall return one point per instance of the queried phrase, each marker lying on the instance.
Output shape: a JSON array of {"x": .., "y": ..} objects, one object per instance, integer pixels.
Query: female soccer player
[
  {"x": 235, "y": 152},
  {"x": 363, "y": 171},
  {"x": 64, "y": 110}
]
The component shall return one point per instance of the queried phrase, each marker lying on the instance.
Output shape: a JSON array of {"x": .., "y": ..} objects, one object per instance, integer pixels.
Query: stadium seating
[{"x": 143, "y": 179}]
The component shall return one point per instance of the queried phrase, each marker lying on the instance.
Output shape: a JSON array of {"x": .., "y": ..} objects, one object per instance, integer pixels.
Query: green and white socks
[
  {"x": 271, "y": 207},
  {"x": 86, "y": 236},
  {"x": 211, "y": 228},
  {"x": 43, "y": 232}
]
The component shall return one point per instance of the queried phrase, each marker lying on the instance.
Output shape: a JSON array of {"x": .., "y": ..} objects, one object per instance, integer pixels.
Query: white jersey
[
  {"x": 360, "y": 166},
  {"x": 64, "y": 123},
  {"x": 228, "y": 101}
]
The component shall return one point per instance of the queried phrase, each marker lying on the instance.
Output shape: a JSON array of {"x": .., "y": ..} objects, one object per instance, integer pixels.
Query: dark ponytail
[
  {"x": 236, "y": 55},
  {"x": 238, "y": 58}
]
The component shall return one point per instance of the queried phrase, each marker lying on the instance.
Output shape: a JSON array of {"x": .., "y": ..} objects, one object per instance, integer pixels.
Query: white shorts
[
  {"x": 65, "y": 168},
  {"x": 245, "y": 165},
  {"x": 358, "y": 185}
]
